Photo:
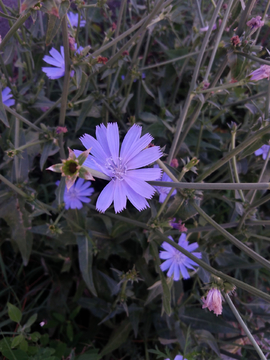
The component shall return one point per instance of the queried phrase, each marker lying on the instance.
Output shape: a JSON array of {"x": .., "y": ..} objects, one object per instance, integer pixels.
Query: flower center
[
  {"x": 179, "y": 257},
  {"x": 117, "y": 168}
]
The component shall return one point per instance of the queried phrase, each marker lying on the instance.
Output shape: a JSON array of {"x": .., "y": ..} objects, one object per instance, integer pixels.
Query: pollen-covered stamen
[{"x": 118, "y": 169}]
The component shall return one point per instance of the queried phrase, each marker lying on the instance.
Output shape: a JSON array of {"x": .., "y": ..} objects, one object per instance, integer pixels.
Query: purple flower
[
  {"x": 77, "y": 194},
  {"x": 263, "y": 151},
  {"x": 178, "y": 357},
  {"x": 255, "y": 23},
  {"x": 213, "y": 301},
  {"x": 7, "y": 97},
  {"x": 74, "y": 19},
  {"x": 58, "y": 60},
  {"x": 164, "y": 191},
  {"x": 177, "y": 262},
  {"x": 126, "y": 182},
  {"x": 204, "y": 29},
  {"x": 262, "y": 73}
]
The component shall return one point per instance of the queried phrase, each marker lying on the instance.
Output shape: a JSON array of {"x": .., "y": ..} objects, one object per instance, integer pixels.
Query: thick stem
[
  {"x": 244, "y": 327},
  {"x": 234, "y": 152},
  {"x": 235, "y": 166},
  {"x": 233, "y": 239},
  {"x": 65, "y": 84}
]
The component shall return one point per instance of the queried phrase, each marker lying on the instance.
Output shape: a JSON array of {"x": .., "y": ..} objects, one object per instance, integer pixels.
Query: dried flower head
[
  {"x": 235, "y": 40},
  {"x": 72, "y": 168}
]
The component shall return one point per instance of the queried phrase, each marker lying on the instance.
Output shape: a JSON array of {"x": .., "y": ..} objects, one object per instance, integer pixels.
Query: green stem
[
  {"x": 181, "y": 175},
  {"x": 254, "y": 58},
  {"x": 220, "y": 32},
  {"x": 235, "y": 166},
  {"x": 174, "y": 60},
  {"x": 233, "y": 239},
  {"x": 198, "y": 108},
  {"x": 222, "y": 87},
  {"x": 16, "y": 144},
  {"x": 250, "y": 98},
  {"x": 238, "y": 283},
  {"x": 234, "y": 152},
  {"x": 18, "y": 116},
  {"x": 30, "y": 144},
  {"x": 65, "y": 84},
  {"x": 209, "y": 186},
  {"x": 13, "y": 187},
  {"x": 146, "y": 22},
  {"x": 183, "y": 114},
  {"x": 13, "y": 29},
  {"x": 46, "y": 113},
  {"x": 261, "y": 175},
  {"x": 201, "y": 263},
  {"x": 244, "y": 327}
]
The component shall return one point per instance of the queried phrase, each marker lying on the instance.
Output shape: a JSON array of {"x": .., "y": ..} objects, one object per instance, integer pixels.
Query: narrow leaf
[{"x": 85, "y": 261}]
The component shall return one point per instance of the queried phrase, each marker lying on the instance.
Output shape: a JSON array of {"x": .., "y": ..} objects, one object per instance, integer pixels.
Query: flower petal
[
  {"x": 50, "y": 60},
  {"x": 136, "y": 200},
  {"x": 145, "y": 174},
  {"x": 57, "y": 56},
  {"x": 138, "y": 146},
  {"x": 165, "y": 255},
  {"x": 131, "y": 137},
  {"x": 106, "y": 197},
  {"x": 53, "y": 73},
  {"x": 184, "y": 271},
  {"x": 164, "y": 266},
  {"x": 120, "y": 196},
  {"x": 101, "y": 135},
  {"x": 140, "y": 187},
  {"x": 145, "y": 157},
  {"x": 97, "y": 150},
  {"x": 113, "y": 140},
  {"x": 176, "y": 272}
]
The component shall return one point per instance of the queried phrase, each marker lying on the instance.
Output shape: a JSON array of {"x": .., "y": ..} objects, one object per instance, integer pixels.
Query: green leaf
[
  {"x": 89, "y": 355},
  {"x": 205, "y": 337},
  {"x": 118, "y": 337},
  {"x": 16, "y": 341},
  {"x": 85, "y": 250},
  {"x": 166, "y": 296},
  {"x": 84, "y": 112},
  {"x": 3, "y": 115},
  {"x": 14, "y": 313},
  {"x": 30, "y": 321},
  {"x": 18, "y": 218},
  {"x": 70, "y": 333},
  {"x": 45, "y": 153},
  {"x": 146, "y": 88}
]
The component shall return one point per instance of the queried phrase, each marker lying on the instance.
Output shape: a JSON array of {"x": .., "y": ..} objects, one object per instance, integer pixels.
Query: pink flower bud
[{"x": 213, "y": 301}]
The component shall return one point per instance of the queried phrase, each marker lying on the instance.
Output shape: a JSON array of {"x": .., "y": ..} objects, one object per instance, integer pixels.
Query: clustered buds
[
  {"x": 102, "y": 60},
  {"x": 235, "y": 40}
]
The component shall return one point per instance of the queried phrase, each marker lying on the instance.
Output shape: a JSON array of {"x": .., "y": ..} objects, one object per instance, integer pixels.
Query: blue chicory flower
[
  {"x": 77, "y": 194},
  {"x": 58, "y": 60},
  {"x": 177, "y": 262},
  {"x": 7, "y": 97},
  {"x": 263, "y": 151},
  {"x": 178, "y": 357},
  {"x": 164, "y": 191},
  {"x": 127, "y": 180},
  {"x": 74, "y": 19}
]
